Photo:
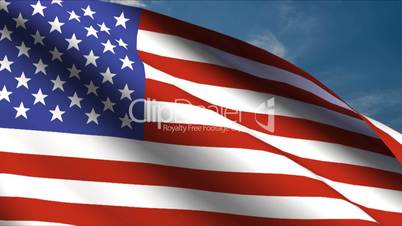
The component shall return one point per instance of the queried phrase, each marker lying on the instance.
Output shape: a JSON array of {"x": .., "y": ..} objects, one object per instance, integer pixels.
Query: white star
[
  {"x": 4, "y": 94},
  {"x": 104, "y": 28},
  {"x": 38, "y": 38},
  {"x": 57, "y": 113},
  {"x": 122, "y": 43},
  {"x": 58, "y": 83},
  {"x": 38, "y": 8},
  {"x": 108, "y": 105},
  {"x": 40, "y": 67},
  {"x": 92, "y": 117},
  {"x": 126, "y": 93},
  {"x": 88, "y": 12},
  {"x": 91, "y": 58},
  {"x": 5, "y": 64},
  {"x": 20, "y": 21},
  {"x": 75, "y": 100},
  {"x": 56, "y": 25},
  {"x": 121, "y": 20},
  {"x": 126, "y": 121},
  {"x": 73, "y": 16},
  {"x": 56, "y": 54},
  {"x": 5, "y": 33},
  {"x": 58, "y": 2},
  {"x": 74, "y": 72},
  {"x": 73, "y": 42},
  {"x": 91, "y": 31},
  {"x": 23, "y": 50},
  {"x": 3, "y": 5},
  {"x": 21, "y": 111},
  {"x": 108, "y": 76},
  {"x": 92, "y": 88},
  {"x": 39, "y": 97},
  {"x": 107, "y": 46},
  {"x": 126, "y": 63},
  {"x": 22, "y": 80}
]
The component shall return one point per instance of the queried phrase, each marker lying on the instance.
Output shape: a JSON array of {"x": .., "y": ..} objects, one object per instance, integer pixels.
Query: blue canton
[{"x": 70, "y": 66}]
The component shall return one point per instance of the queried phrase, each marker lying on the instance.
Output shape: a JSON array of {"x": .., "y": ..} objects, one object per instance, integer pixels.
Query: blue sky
[{"x": 355, "y": 48}]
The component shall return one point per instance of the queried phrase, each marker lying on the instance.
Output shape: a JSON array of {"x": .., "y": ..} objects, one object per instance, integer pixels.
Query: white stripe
[
  {"x": 29, "y": 223},
  {"x": 375, "y": 198},
  {"x": 250, "y": 101},
  {"x": 394, "y": 134},
  {"x": 128, "y": 150},
  {"x": 205, "y": 158},
  {"x": 180, "y": 48},
  {"x": 144, "y": 196},
  {"x": 317, "y": 150}
]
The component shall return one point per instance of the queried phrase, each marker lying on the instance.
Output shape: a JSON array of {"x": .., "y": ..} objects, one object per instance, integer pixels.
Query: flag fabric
[{"x": 114, "y": 115}]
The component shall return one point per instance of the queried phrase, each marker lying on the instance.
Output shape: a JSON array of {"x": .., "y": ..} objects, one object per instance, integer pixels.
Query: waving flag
[{"x": 113, "y": 115}]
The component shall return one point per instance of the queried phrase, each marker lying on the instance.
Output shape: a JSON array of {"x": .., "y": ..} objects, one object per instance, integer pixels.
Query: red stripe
[
  {"x": 351, "y": 174},
  {"x": 385, "y": 218},
  {"x": 80, "y": 214},
  {"x": 221, "y": 76},
  {"x": 393, "y": 145},
  {"x": 151, "y": 174},
  {"x": 159, "y": 23},
  {"x": 284, "y": 126}
]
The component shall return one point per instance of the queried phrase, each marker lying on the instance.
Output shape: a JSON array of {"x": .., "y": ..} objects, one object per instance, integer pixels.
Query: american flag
[{"x": 115, "y": 115}]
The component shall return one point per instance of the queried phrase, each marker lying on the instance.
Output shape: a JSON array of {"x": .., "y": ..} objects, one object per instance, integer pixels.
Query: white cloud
[
  {"x": 135, "y": 3},
  {"x": 375, "y": 103},
  {"x": 268, "y": 41},
  {"x": 295, "y": 33},
  {"x": 367, "y": 104},
  {"x": 378, "y": 105},
  {"x": 295, "y": 20},
  {"x": 298, "y": 27}
]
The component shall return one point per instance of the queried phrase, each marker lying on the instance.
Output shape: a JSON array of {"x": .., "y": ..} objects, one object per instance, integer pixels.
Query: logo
[{"x": 171, "y": 120}]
